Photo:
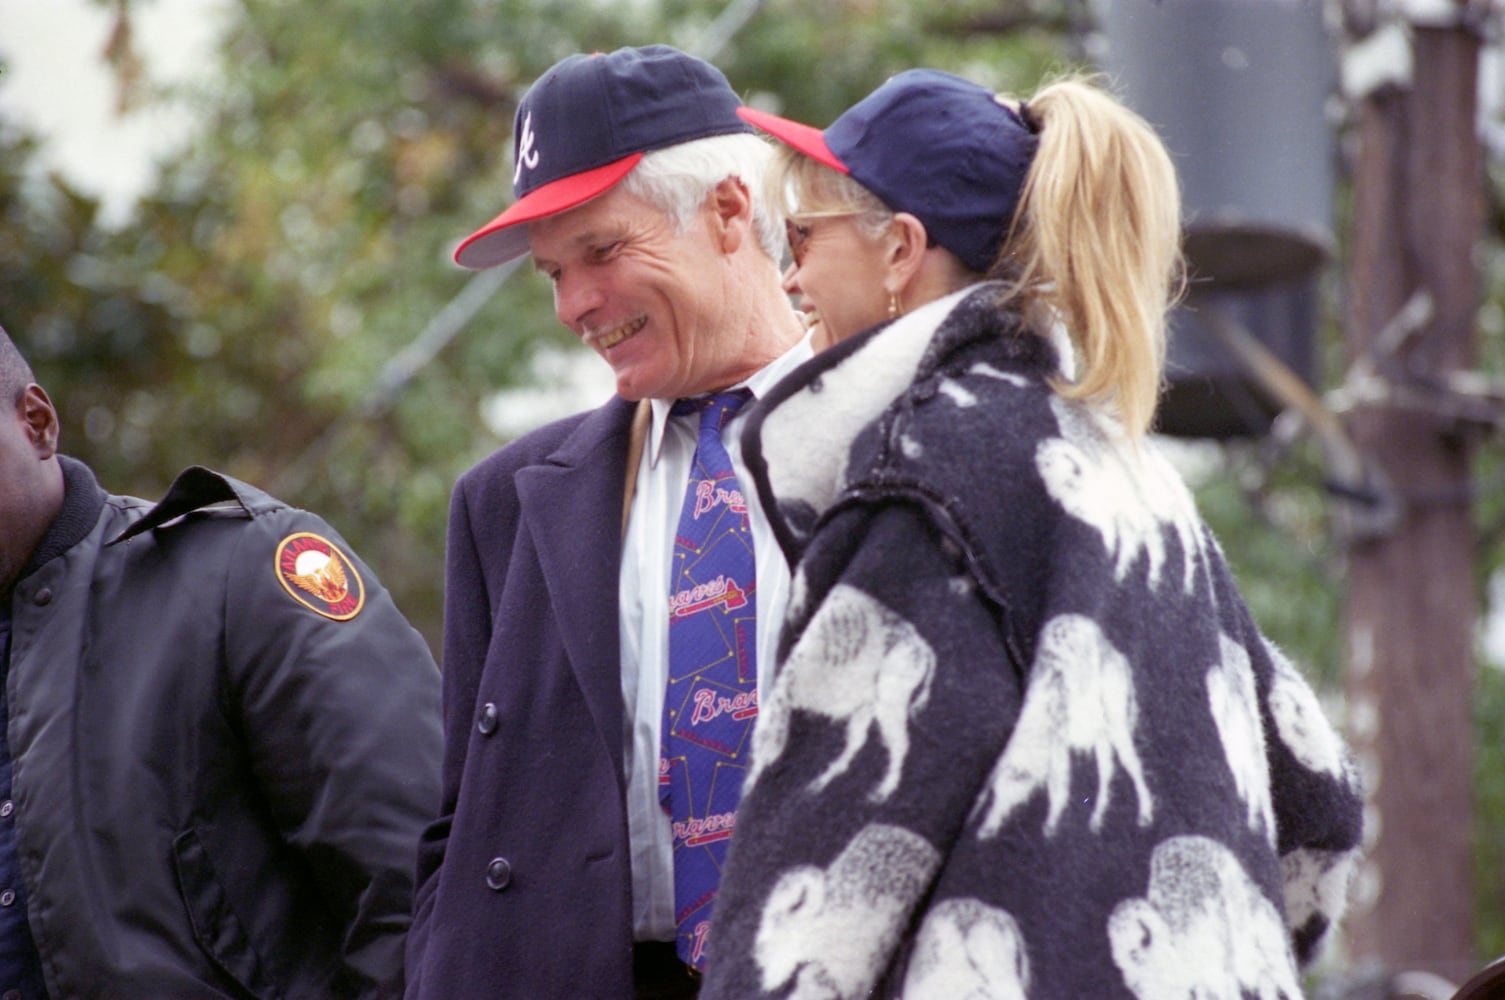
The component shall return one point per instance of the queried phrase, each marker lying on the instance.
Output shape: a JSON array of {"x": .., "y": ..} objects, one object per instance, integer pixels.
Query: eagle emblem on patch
[{"x": 319, "y": 576}]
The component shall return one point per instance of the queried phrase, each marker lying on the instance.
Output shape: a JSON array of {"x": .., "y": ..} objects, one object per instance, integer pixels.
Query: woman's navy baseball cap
[
  {"x": 587, "y": 122},
  {"x": 931, "y": 144}
]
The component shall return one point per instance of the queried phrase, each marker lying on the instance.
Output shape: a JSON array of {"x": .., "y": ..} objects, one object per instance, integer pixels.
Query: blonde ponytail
[{"x": 1097, "y": 239}]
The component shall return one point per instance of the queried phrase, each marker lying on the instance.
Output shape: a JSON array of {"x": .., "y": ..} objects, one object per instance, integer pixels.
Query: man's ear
[
  {"x": 732, "y": 211},
  {"x": 906, "y": 247},
  {"x": 39, "y": 418}
]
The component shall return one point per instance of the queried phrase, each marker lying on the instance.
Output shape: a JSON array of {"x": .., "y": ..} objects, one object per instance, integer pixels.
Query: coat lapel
[{"x": 571, "y": 506}]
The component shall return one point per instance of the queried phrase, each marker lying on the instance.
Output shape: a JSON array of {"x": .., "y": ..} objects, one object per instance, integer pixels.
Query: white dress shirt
[{"x": 647, "y": 554}]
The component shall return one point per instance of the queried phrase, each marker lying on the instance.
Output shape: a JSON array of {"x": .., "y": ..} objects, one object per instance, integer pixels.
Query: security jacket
[
  {"x": 225, "y": 741},
  {"x": 1024, "y": 738}
]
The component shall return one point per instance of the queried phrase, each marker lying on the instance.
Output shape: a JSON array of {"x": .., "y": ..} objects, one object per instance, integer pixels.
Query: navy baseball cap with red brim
[
  {"x": 587, "y": 121},
  {"x": 932, "y": 144}
]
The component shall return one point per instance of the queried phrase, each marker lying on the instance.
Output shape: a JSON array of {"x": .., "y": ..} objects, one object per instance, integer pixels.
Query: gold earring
[{"x": 894, "y": 309}]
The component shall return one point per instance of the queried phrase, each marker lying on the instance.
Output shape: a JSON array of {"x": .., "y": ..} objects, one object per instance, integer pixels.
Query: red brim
[
  {"x": 805, "y": 138},
  {"x": 505, "y": 237}
]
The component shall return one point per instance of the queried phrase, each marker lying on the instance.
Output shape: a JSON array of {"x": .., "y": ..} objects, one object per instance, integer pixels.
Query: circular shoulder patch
[{"x": 319, "y": 576}]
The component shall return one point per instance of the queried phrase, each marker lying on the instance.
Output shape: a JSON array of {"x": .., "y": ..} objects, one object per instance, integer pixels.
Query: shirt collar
[{"x": 759, "y": 383}]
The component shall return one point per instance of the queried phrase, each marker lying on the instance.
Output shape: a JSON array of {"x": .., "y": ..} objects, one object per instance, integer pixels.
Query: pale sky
[{"x": 56, "y": 84}]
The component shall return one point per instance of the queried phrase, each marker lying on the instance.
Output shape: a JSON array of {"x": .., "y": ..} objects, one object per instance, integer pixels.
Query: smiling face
[
  {"x": 839, "y": 241},
  {"x": 662, "y": 307},
  {"x": 838, "y": 275}
]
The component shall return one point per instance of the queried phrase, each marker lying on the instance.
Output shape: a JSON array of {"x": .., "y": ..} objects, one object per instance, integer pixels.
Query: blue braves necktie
[{"x": 712, "y": 695}]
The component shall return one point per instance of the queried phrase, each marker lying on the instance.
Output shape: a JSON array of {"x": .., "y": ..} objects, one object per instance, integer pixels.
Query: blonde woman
[{"x": 1025, "y": 739}]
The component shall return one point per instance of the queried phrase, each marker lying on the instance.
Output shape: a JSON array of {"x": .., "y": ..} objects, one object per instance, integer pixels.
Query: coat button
[
  {"x": 487, "y": 722},
  {"x": 499, "y": 874},
  {"x": 8, "y": 897},
  {"x": 43, "y": 597}
]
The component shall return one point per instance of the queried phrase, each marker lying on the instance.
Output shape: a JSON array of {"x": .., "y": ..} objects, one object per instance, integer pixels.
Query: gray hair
[{"x": 680, "y": 178}]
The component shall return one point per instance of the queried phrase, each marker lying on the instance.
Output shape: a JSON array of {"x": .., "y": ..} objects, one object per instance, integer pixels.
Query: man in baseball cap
[
  {"x": 594, "y": 753},
  {"x": 587, "y": 122}
]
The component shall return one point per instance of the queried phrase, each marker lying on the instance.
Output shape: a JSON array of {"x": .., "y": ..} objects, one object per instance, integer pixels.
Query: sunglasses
[{"x": 797, "y": 231}]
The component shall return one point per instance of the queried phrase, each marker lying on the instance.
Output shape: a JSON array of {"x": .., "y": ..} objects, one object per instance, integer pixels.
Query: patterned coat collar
[{"x": 799, "y": 440}]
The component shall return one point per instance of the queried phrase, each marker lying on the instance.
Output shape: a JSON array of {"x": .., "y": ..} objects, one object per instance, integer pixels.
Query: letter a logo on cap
[{"x": 527, "y": 156}]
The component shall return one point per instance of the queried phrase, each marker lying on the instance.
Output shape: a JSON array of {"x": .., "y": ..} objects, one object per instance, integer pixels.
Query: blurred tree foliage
[{"x": 244, "y": 317}]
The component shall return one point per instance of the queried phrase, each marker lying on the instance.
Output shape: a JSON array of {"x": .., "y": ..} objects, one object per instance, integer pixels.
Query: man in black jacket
[{"x": 221, "y": 738}]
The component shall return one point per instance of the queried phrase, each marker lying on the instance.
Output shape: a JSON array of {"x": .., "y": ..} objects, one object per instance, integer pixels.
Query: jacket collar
[
  {"x": 196, "y": 488},
  {"x": 83, "y": 499},
  {"x": 798, "y": 441}
]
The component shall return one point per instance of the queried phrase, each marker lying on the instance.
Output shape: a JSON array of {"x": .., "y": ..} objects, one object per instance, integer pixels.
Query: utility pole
[{"x": 1413, "y": 288}]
